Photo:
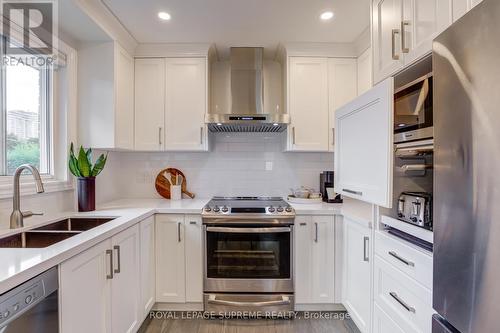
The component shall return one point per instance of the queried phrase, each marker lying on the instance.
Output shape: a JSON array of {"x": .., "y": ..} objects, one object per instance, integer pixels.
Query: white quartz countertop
[{"x": 19, "y": 265}]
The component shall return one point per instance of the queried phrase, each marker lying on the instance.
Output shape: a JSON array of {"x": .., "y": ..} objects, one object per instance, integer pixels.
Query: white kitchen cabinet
[
  {"x": 103, "y": 284},
  {"x": 170, "y": 259},
  {"x": 364, "y": 63},
  {"x": 403, "y": 31},
  {"x": 194, "y": 258},
  {"x": 148, "y": 265},
  {"x": 149, "y": 104},
  {"x": 125, "y": 286},
  {"x": 460, "y": 7},
  {"x": 356, "y": 291},
  {"x": 308, "y": 104},
  {"x": 364, "y": 146},
  {"x": 382, "y": 323},
  {"x": 314, "y": 259},
  {"x": 342, "y": 88},
  {"x": 105, "y": 96},
  {"x": 185, "y": 104},
  {"x": 84, "y": 289}
]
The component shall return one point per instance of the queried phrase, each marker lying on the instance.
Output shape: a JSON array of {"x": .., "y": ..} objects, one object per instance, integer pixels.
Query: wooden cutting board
[{"x": 162, "y": 182}]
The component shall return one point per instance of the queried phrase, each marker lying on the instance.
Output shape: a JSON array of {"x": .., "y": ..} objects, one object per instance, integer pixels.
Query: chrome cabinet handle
[
  {"x": 285, "y": 300},
  {"x": 201, "y": 135},
  {"x": 193, "y": 222},
  {"x": 404, "y": 261},
  {"x": 404, "y": 24},
  {"x": 110, "y": 254},
  {"x": 178, "y": 232},
  {"x": 401, "y": 302},
  {"x": 315, "y": 232},
  {"x": 159, "y": 135},
  {"x": 302, "y": 223},
  {"x": 293, "y": 135},
  {"x": 333, "y": 136},
  {"x": 118, "y": 258},
  {"x": 366, "y": 241},
  {"x": 352, "y": 192},
  {"x": 394, "y": 55}
]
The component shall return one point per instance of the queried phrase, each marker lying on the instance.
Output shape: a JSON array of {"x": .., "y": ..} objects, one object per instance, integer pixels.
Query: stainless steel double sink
[{"x": 52, "y": 233}]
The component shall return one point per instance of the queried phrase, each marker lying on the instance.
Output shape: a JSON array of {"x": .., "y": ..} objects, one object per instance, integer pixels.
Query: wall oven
[{"x": 248, "y": 261}]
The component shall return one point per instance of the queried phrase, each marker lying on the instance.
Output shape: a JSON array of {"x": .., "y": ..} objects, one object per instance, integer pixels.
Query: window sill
[{"x": 27, "y": 188}]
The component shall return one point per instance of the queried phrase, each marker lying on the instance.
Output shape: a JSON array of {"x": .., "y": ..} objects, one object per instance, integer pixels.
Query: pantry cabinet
[
  {"x": 314, "y": 259},
  {"x": 179, "y": 270},
  {"x": 403, "y": 31},
  {"x": 357, "y": 277},
  {"x": 105, "y": 96},
  {"x": 364, "y": 146},
  {"x": 170, "y": 104},
  {"x": 103, "y": 284}
]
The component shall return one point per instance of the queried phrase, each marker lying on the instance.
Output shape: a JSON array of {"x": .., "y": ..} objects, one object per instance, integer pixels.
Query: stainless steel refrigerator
[{"x": 466, "y": 64}]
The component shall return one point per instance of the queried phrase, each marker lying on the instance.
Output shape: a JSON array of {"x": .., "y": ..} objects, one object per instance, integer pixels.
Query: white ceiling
[{"x": 242, "y": 22}]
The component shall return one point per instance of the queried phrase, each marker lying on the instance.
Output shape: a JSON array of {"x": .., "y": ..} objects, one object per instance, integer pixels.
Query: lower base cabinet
[
  {"x": 148, "y": 265},
  {"x": 179, "y": 270},
  {"x": 382, "y": 323},
  {"x": 314, "y": 259},
  {"x": 356, "y": 291},
  {"x": 99, "y": 288}
]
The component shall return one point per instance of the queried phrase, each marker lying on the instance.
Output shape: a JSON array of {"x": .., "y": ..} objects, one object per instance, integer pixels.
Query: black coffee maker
[{"x": 326, "y": 180}]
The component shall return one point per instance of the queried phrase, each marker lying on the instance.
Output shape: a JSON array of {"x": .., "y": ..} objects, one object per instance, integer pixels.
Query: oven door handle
[
  {"x": 285, "y": 300},
  {"x": 249, "y": 230}
]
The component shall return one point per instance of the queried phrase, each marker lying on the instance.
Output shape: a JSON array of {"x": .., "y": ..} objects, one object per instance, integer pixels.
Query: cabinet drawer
[
  {"x": 412, "y": 261},
  {"x": 407, "y": 302},
  {"x": 382, "y": 323}
]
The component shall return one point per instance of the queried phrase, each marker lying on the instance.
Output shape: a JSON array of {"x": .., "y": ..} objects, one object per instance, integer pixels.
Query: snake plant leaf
[
  {"x": 73, "y": 166},
  {"x": 83, "y": 163},
  {"x": 89, "y": 156},
  {"x": 99, "y": 165}
]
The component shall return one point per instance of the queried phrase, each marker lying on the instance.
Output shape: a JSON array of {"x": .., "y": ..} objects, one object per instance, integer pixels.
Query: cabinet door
[
  {"x": 186, "y": 104},
  {"x": 148, "y": 269},
  {"x": 460, "y": 7},
  {"x": 382, "y": 323},
  {"x": 422, "y": 21},
  {"x": 308, "y": 104},
  {"x": 170, "y": 262},
  {"x": 124, "y": 99},
  {"x": 85, "y": 289},
  {"x": 342, "y": 87},
  {"x": 149, "y": 104},
  {"x": 365, "y": 71},
  {"x": 194, "y": 259},
  {"x": 364, "y": 145},
  {"x": 387, "y": 55},
  {"x": 357, "y": 279},
  {"x": 323, "y": 259},
  {"x": 125, "y": 286},
  {"x": 303, "y": 258}
]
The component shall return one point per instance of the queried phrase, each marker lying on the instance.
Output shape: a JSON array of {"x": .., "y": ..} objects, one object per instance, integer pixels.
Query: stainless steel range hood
[{"x": 245, "y": 111}]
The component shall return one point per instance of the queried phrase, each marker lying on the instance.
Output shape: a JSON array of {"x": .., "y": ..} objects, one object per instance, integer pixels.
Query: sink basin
[
  {"x": 52, "y": 233},
  {"x": 75, "y": 224},
  {"x": 35, "y": 239}
]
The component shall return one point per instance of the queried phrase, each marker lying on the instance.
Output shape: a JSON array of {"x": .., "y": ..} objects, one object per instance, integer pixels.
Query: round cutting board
[{"x": 162, "y": 182}]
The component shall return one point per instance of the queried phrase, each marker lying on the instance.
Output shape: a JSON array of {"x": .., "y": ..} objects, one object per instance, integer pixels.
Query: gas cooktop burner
[{"x": 251, "y": 206}]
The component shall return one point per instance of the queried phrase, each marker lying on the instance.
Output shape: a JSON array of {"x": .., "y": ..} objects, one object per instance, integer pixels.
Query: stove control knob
[
  {"x": 207, "y": 209},
  {"x": 288, "y": 209},
  {"x": 216, "y": 209},
  {"x": 414, "y": 219},
  {"x": 225, "y": 209},
  {"x": 271, "y": 209},
  {"x": 279, "y": 209}
]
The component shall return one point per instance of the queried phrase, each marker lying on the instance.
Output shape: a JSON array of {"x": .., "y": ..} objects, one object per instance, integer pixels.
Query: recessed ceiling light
[
  {"x": 326, "y": 16},
  {"x": 164, "y": 16}
]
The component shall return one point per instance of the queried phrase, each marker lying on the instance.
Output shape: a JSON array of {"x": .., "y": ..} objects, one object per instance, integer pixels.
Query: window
[{"x": 25, "y": 118}]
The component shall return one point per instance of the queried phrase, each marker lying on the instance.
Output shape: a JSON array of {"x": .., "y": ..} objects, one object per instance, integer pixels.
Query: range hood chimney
[{"x": 246, "y": 113}]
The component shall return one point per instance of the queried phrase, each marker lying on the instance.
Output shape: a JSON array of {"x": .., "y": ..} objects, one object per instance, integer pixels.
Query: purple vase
[{"x": 86, "y": 194}]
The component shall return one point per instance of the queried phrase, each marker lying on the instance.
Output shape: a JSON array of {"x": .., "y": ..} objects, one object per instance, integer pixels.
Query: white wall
[{"x": 235, "y": 166}]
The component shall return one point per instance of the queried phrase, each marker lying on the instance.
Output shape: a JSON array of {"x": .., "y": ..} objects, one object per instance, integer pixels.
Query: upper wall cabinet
[
  {"x": 105, "y": 96},
  {"x": 364, "y": 145},
  {"x": 317, "y": 86},
  {"x": 403, "y": 31},
  {"x": 170, "y": 104},
  {"x": 460, "y": 7}
]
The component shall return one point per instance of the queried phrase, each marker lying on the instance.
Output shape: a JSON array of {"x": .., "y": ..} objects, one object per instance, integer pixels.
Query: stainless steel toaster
[{"x": 416, "y": 208}]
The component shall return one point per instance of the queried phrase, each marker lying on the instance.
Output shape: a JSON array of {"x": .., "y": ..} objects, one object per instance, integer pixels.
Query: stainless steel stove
[{"x": 248, "y": 244}]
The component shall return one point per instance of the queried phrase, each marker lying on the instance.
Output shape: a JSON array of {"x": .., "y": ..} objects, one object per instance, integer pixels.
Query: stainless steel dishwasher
[{"x": 32, "y": 306}]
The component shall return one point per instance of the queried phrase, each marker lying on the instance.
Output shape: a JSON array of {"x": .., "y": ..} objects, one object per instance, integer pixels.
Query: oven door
[{"x": 256, "y": 259}]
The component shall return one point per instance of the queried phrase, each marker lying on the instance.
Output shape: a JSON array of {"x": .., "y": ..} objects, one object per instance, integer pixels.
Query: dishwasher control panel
[{"x": 18, "y": 300}]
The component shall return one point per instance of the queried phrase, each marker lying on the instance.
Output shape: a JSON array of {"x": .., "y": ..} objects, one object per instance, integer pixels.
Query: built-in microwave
[{"x": 413, "y": 110}]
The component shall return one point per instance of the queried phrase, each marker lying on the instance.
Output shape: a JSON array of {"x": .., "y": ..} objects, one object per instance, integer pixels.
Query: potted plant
[{"x": 82, "y": 168}]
